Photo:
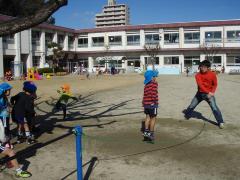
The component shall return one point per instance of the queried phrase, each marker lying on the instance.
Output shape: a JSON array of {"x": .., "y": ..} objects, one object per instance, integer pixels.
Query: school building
[{"x": 123, "y": 47}]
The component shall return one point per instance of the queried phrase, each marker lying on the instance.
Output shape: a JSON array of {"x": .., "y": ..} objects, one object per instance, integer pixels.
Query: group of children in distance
[
  {"x": 21, "y": 110},
  {"x": 207, "y": 84}
]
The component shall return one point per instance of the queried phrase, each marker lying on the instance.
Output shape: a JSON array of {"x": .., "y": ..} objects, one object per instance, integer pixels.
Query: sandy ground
[{"x": 109, "y": 109}]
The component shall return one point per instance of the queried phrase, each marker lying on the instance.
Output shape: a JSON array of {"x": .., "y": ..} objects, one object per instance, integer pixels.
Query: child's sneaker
[
  {"x": 31, "y": 140},
  {"x": 221, "y": 125},
  {"x": 23, "y": 174},
  {"x": 152, "y": 136},
  {"x": 146, "y": 134},
  {"x": 20, "y": 139}
]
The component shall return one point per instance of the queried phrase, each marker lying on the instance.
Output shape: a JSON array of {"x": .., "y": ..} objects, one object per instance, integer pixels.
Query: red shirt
[
  {"x": 150, "y": 96},
  {"x": 207, "y": 82}
]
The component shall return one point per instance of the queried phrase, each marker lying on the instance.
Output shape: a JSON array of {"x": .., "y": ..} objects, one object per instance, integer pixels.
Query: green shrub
[
  {"x": 45, "y": 70},
  {"x": 50, "y": 70}
]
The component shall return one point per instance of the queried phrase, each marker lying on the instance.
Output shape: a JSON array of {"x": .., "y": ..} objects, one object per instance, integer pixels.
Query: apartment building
[
  {"x": 123, "y": 47},
  {"x": 113, "y": 15}
]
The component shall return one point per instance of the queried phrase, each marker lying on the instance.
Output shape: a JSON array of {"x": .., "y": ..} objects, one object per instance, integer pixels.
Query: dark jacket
[{"x": 23, "y": 105}]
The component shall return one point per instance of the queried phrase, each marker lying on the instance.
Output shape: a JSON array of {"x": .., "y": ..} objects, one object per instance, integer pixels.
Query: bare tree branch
[
  {"x": 19, "y": 24},
  {"x": 152, "y": 50},
  {"x": 210, "y": 50}
]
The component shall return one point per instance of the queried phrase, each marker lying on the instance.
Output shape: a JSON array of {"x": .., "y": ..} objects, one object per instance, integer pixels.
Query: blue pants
[{"x": 199, "y": 97}]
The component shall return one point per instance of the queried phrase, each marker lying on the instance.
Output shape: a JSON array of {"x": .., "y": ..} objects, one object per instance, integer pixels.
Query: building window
[
  {"x": 133, "y": 40},
  {"x": 152, "y": 39},
  {"x": 192, "y": 38},
  {"x": 171, "y": 38},
  {"x": 233, "y": 36},
  {"x": 115, "y": 40},
  {"x": 61, "y": 40},
  {"x": 190, "y": 61},
  {"x": 36, "y": 38},
  {"x": 36, "y": 61},
  {"x": 98, "y": 41},
  {"x": 48, "y": 38},
  {"x": 233, "y": 60},
  {"x": 171, "y": 60},
  {"x": 150, "y": 60},
  {"x": 70, "y": 42},
  {"x": 82, "y": 42},
  {"x": 215, "y": 60},
  {"x": 213, "y": 36},
  {"x": 9, "y": 39}
]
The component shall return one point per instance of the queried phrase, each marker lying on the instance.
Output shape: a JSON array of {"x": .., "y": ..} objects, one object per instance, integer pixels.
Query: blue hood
[
  {"x": 149, "y": 74},
  {"x": 5, "y": 86}
]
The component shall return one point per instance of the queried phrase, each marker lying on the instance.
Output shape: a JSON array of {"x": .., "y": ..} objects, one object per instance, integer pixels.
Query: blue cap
[
  {"x": 5, "y": 86},
  {"x": 149, "y": 74},
  {"x": 29, "y": 86}
]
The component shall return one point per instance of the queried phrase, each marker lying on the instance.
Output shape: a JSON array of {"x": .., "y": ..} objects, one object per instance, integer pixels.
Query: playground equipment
[
  {"x": 33, "y": 74},
  {"x": 48, "y": 76}
]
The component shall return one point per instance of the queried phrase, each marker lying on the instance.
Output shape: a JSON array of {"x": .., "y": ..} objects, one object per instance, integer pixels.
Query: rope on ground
[{"x": 159, "y": 149}]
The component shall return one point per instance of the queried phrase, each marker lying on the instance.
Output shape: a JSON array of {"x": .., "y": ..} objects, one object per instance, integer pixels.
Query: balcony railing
[
  {"x": 151, "y": 42},
  {"x": 82, "y": 45},
  {"x": 192, "y": 41},
  {"x": 133, "y": 43},
  {"x": 213, "y": 40},
  {"x": 233, "y": 40},
  {"x": 115, "y": 43},
  {"x": 171, "y": 42},
  {"x": 98, "y": 44}
]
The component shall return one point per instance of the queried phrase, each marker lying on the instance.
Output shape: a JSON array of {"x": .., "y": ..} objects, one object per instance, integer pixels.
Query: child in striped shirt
[{"x": 150, "y": 103}]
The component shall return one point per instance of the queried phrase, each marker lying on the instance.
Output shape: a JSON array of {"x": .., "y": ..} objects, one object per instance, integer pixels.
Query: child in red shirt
[
  {"x": 150, "y": 104},
  {"x": 207, "y": 84}
]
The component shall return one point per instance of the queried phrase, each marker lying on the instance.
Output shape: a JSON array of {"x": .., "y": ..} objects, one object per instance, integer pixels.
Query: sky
[{"x": 80, "y": 14}]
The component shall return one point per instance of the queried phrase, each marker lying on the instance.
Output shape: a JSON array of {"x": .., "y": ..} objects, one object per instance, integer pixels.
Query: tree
[
  {"x": 20, "y": 8},
  {"x": 152, "y": 50},
  {"x": 57, "y": 55},
  {"x": 40, "y": 15},
  {"x": 209, "y": 50}
]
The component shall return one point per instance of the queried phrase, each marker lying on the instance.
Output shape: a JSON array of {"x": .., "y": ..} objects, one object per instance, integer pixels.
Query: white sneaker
[{"x": 221, "y": 125}]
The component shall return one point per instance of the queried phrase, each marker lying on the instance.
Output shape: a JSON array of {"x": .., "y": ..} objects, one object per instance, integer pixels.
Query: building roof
[
  {"x": 133, "y": 27},
  {"x": 159, "y": 26}
]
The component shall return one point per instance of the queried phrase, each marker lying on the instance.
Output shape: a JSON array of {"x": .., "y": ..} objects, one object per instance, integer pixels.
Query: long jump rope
[{"x": 154, "y": 149}]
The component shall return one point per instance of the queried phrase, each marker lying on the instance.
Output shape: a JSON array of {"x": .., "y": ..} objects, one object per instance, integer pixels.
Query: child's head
[
  {"x": 150, "y": 75},
  {"x": 65, "y": 88},
  {"x": 6, "y": 88},
  {"x": 29, "y": 88},
  {"x": 204, "y": 66}
]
